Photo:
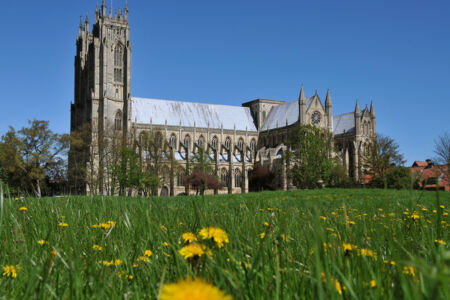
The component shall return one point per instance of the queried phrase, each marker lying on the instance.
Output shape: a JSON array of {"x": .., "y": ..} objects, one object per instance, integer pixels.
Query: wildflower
[
  {"x": 409, "y": 270},
  {"x": 415, "y": 216},
  {"x": 440, "y": 242},
  {"x": 218, "y": 235},
  {"x": 373, "y": 284},
  {"x": 442, "y": 206},
  {"x": 337, "y": 285},
  {"x": 148, "y": 253},
  {"x": 194, "y": 251},
  {"x": 188, "y": 237},
  {"x": 262, "y": 235},
  {"x": 62, "y": 224},
  {"x": 22, "y": 208},
  {"x": 17, "y": 199},
  {"x": 367, "y": 252},
  {"x": 42, "y": 242},
  {"x": 266, "y": 224},
  {"x": 10, "y": 271},
  {"x": 145, "y": 259},
  {"x": 348, "y": 247},
  {"x": 330, "y": 229},
  {"x": 106, "y": 263},
  {"x": 192, "y": 289},
  {"x": 180, "y": 223},
  {"x": 350, "y": 223},
  {"x": 323, "y": 218},
  {"x": 165, "y": 244},
  {"x": 97, "y": 247},
  {"x": 166, "y": 254},
  {"x": 163, "y": 227}
]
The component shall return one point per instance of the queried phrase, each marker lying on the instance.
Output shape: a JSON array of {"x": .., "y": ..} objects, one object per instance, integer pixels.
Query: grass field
[{"x": 321, "y": 244}]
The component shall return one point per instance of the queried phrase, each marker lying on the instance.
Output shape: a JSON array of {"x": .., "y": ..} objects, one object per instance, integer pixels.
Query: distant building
[
  {"x": 238, "y": 137},
  {"x": 431, "y": 176}
]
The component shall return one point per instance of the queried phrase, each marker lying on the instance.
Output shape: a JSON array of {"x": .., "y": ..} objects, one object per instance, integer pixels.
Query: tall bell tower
[{"x": 103, "y": 81}]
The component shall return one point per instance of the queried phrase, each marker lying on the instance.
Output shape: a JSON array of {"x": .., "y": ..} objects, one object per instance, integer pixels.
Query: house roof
[
  {"x": 188, "y": 114},
  {"x": 418, "y": 163}
]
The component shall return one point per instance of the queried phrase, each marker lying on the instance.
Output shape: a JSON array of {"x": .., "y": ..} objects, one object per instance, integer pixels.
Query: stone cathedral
[{"x": 236, "y": 137}]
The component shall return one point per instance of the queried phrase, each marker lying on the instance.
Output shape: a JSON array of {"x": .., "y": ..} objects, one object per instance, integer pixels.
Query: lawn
[{"x": 313, "y": 244}]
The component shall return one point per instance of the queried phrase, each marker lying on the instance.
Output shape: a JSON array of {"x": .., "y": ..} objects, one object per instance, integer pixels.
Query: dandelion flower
[
  {"x": 440, "y": 242},
  {"x": 10, "y": 271},
  {"x": 262, "y": 235},
  {"x": 163, "y": 227},
  {"x": 42, "y": 242},
  {"x": 218, "y": 235},
  {"x": 143, "y": 259},
  {"x": 189, "y": 237},
  {"x": 62, "y": 224},
  {"x": 17, "y": 199},
  {"x": 97, "y": 247},
  {"x": 148, "y": 253},
  {"x": 373, "y": 284},
  {"x": 266, "y": 224},
  {"x": 348, "y": 247},
  {"x": 196, "y": 289},
  {"x": 323, "y": 218},
  {"x": 23, "y": 208},
  {"x": 194, "y": 251}
]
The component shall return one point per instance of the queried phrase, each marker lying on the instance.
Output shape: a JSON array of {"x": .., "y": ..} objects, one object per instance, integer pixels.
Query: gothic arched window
[
  {"x": 118, "y": 121},
  {"x": 228, "y": 143},
  {"x": 253, "y": 145},
  {"x": 201, "y": 142},
  {"x": 187, "y": 142},
  {"x": 173, "y": 141},
  {"x": 214, "y": 142},
  {"x": 237, "y": 178},
  {"x": 118, "y": 63},
  {"x": 224, "y": 176},
  {"x": 241, "y": 144}
]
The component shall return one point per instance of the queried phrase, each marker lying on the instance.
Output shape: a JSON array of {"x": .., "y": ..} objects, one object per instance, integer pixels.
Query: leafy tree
[
  {"x": 260, "y": 178},
  {"x": 128, "y": 170},
  {"x": 202, "y": 176},
  {"x": 382, "y": 154},
  {"x": 32, "y": 154},
  {"x": 310, "y": 156},
  {"x": 339, "y": 176},
  {"x": 442, "y": 149}
]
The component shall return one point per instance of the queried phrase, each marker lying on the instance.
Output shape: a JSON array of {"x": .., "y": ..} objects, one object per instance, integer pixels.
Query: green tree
[
  {"x": 202, "y": 175},
  {"x": 33, "y": 153},
  {"x": 310, "y": 157},
  {"x": 381, "y": 154}
]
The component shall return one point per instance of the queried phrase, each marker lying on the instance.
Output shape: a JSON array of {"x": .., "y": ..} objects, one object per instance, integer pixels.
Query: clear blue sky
[{"x": 394, "y": 52}]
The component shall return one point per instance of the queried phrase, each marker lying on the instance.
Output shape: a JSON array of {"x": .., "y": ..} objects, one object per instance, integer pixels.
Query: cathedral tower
[{"x": 103, "y": 81}]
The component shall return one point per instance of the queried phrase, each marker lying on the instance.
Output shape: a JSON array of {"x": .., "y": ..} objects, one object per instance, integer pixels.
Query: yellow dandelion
[
  {"x": 10, "y": 271},
  {"x": 144, "y": 259},
  {"x": 350, "y": 223},
  {"x": 42, "y": 242},
  {"x": 107, "y": 263},
  {"x": 415, "y": 216},
  {"x": 196, "y": 289},
  {"x": 330, "y": 229},
  {"x": 163, "y": 227},
  {"x": 148, "y": 253},
  {"x": 262, "y": 235},
  {"x": 23, "y": 208},
  {"x": 285, "y": 237},
  {"x": 348, "y": 247},
  {"x": 373, "y": 284},
  {"x": 440, "y": 242},
  {"x": 337, "y": 285},
  {"x": 323, "y": 218},
  {"x": 62, "y": 224},
  {"x": 165, "y": 244},
  {"x": 409, "y": 270},
  {"x": 97, "y": 247},
  {"x": 188, "y": 237},
  {"x": 218, "y": 235},
  {"x": 266, "y": 224},
  {"x": 194, "y": 251},
  {"x": 367, "y": 252},
  {"x": 442, "y": 206},
  {"x": 17, "y": 199}
]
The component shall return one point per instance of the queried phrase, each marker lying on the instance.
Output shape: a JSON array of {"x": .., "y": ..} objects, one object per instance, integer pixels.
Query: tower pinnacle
[{"x": 302, "y": 94}]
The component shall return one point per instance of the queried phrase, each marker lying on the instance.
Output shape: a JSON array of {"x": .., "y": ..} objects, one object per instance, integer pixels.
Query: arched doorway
[{"x": 164, "y": 191}]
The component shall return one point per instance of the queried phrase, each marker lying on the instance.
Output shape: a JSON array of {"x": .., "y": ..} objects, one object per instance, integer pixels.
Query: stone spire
[
  {"x": 302, "y": 107},
  {"x": 357, "y": 109},
  {"x": 103, "y": 9},
  {"x": 328, "y": 99},
  {"x": 372, "y": 110},
  {"x": 97, "y": 13},
  {"x": 126, "y": 10},
  {"x": 80, "y": 29},
  {"x": 86, "y": 23},
  {"x": 302, "y": 94}
]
